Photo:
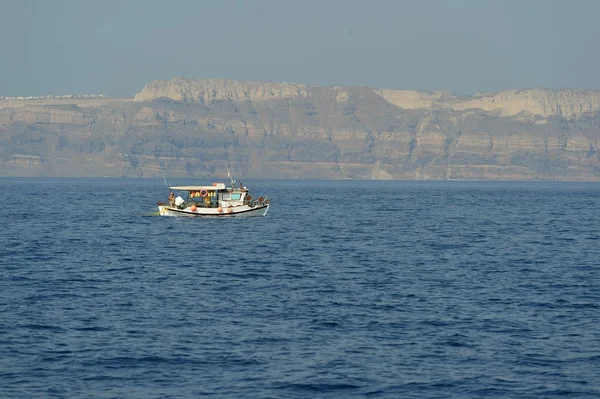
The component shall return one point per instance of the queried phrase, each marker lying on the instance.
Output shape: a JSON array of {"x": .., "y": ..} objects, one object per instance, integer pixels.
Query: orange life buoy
[
  {"x": 193, "y": 208},
  {"x": 230, "y": 210},
  {"x": 260, "y": 199},
  {"x": 220, "y": 209},
  {"x": 203, "y": 193},
  {"x": 249, "y": 197}
]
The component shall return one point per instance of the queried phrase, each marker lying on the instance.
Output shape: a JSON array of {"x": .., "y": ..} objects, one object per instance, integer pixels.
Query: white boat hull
[{"x": 236, "y": 211}]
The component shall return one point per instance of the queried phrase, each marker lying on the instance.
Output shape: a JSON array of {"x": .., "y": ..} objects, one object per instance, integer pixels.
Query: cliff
[
  {"x": 186, "y": 127},
  {"x": 566, "y": 103},
  {"x": 208, "y": 90}
]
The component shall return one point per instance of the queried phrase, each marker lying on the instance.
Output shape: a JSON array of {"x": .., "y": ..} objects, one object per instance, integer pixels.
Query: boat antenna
[{"x": 167, "y": 184}]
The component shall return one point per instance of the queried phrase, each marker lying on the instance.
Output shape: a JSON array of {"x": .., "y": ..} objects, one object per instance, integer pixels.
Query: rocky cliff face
[
  {"x": 185, "y": 127},
  {"x": 70, "y": 114},
  {"x": 209, "y": 90},
  {"x": 412, "y": 99},
  {"x": 569, "y": 104}
]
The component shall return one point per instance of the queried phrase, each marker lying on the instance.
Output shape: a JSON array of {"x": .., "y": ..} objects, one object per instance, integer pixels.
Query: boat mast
[{"x": 229, "y": 175}]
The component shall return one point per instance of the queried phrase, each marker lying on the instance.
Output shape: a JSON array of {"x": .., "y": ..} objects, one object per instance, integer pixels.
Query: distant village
[{"x": 66, "y": 96}]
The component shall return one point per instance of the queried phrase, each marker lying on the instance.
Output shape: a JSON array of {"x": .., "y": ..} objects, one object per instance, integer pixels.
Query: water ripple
[{"x": 428, "y": 289}]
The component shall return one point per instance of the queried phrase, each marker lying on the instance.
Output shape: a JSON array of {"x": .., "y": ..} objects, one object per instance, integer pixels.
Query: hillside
[{"x": 191, "y": 127}]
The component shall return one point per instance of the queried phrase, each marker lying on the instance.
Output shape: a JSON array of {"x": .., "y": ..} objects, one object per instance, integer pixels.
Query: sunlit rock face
[
  {"x": 208, "y": 90},
  {"x": 567, "y": 103},
  {"x": 193, "y": 127}
]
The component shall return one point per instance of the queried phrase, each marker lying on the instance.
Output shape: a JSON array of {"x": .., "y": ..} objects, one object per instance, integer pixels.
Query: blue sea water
[{"x": 345, "y": 289}]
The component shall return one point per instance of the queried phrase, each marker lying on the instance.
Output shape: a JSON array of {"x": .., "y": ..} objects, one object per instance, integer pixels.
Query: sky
[{"x": 115, "y": 47}]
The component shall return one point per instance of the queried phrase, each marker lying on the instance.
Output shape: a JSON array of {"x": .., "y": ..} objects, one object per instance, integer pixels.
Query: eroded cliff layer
[{"x": 187, "y": 127}]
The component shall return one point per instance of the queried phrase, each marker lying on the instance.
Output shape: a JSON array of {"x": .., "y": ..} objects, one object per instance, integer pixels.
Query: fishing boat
[{"x": 216, "y": 200}]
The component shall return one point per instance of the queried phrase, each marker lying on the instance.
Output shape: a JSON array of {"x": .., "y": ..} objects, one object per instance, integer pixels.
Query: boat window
[{"x": 231, "y": 196}]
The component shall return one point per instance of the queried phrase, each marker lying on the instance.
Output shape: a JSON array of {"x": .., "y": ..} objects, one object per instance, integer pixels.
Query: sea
[{"x": 346, "y": 289}]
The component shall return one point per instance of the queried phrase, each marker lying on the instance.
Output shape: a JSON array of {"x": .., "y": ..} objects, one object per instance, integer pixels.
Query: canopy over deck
[{"x": 216, "y": 186}]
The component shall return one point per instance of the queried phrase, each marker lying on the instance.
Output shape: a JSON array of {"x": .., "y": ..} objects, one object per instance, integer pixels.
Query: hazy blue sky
[{"x": 466, "y": 46}]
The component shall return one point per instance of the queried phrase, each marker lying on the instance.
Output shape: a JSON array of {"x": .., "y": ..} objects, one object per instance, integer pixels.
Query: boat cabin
[{"x": 215, "y": 196}]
